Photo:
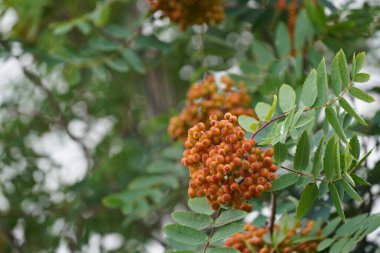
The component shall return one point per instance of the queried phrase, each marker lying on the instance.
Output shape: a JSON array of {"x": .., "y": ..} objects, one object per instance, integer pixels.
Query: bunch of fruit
[
  {"x": 224, "y": 166},
  {"x": 205, "y": 99},
  {"x": 190, "y": 12}
]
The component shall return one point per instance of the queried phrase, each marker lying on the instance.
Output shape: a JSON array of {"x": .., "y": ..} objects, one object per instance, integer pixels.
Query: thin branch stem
[
  {"x": 308, "y": 175},
  {"x": 64, "y": 121},
  {"x": 212, "y": 231},
  {"x": 273, "y": 214},
  {"x": 267, "y": 124}
]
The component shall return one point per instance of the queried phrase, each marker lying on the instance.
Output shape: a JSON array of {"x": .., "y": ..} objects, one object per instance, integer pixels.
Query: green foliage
[
  {"x": 287, "y": 98},
  {"x": 308, "y": 197},
  {"x": 301, "y": 158},
  {"x": 285, "y": 181},
  {"x": 82, "y": 63}
]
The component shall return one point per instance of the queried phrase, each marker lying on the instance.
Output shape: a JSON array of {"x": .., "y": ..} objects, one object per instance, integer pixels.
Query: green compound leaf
[
  {"x": 284, "y": 181},
  {"x": 191, "y": 219},
  {"x": 301, "y": 158},
  {"x": 227, "y": 231},
  {"x": 359, "y": 94},
  {"x": 337, "y": 201},
  {"x": 347, "y": 107},
  {"x": 200, "y": 205},
  {"x": 309, "y": 89},
  {"x": 185, "y": 234},
  {"x": 308, "y": 197},
  {"x": 229, "y": 216},
  {"x": 287, "y": 98},
  {"x": 332, "y": 118}
]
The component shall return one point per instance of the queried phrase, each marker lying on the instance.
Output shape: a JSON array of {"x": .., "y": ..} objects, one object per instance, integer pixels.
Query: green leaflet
[
  {"x": 332, "y": 118},
  {"x": 308, "y": 197},
  {"x": 200, "y": 205},
  {"x": 361, "y": 77},
  {"x": 194, "y": 220},
  {"x": 359, "y": 62},
  {"x": 185, "y": 234},
  {"x": 248, "y": 123},
  {"x": 262, "y": 110},
  {"x": 328, "y": 161},
  {"x": 359, "y": 94},
  {"x": 337, "y": 201},
  {"x": 354, "y": 147},
  {"x": 343, "y": 68},
  {"x": 317, "y": 162},
  {"x": 287, "y": 98},
  {"x": 309, "y": 89},
  {"x": 335, "y": 76},
  {"x": 350, "y": 191},
  {"x": 347, "y": 107},
  {"x": 227, "y": 231},
  {"x": 271, "y": 109},
  {"x": 284, "y": 181},
  {"x": 322, "y": 83},
  {"x": 229, "y": 216},
  {"x": 301, "y": 158}
]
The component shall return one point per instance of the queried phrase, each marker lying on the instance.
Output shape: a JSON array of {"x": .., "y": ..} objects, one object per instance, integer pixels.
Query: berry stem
[
  {"x": 212, "y": 230},
  {"x": 309, "y": 175},
  {"x": 267, "y": 124}
]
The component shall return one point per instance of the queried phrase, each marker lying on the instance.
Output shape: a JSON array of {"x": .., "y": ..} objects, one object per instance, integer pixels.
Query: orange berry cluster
[
  {"x": 224, "y": 166},
  {"x": 187, "y": 12},
  {"x": 205, "y": 99},
  {"x": 253, "y": 237}
]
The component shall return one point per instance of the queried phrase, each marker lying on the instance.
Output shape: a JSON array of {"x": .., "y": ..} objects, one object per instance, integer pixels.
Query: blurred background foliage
[{"x": 85, "y": 157}]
